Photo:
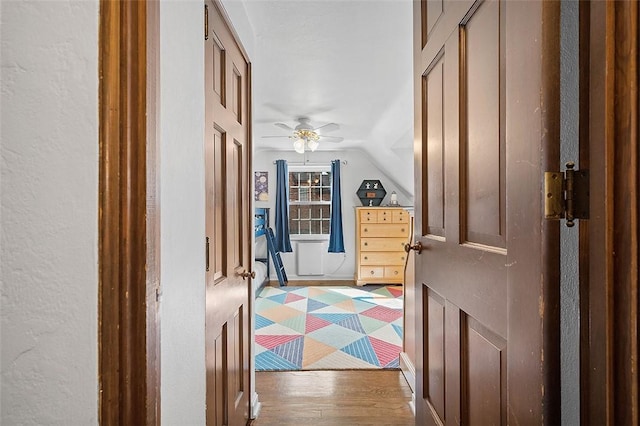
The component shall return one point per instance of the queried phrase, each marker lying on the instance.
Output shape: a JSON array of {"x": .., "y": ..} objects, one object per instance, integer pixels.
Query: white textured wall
[
  {"x": 569, "y": 294},
  {"x": 49, "y": 216},
  {"x": 182, "y": 213}
]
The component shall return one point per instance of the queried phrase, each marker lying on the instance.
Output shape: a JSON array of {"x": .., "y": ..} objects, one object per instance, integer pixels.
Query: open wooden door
[
  {"x": 227, "y": 150},
  {"x": 487, "y": 279}
]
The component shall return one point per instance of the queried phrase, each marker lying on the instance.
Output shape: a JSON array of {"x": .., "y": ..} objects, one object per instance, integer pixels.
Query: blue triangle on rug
[
  {"x": 269, "y": 361},
  {"x": 314, "y": 305},
  {"x": 262, "y": 321},
  {"x": 278, "y": 297},
  {"x": 291, "y": 351},
  {"x": 363, "y": 350},
  {"x": 394, "y": 363},
  {"x": 352, "y": 322},
  {"x": 398, "y": 329}
]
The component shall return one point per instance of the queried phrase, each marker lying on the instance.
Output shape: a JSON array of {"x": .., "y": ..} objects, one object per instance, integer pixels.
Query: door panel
[
  {"x": 227, "y": 224},
  {"x": 483, "y": 354},
  {"x": 482, "y": 151},
  {"x": 474, "y": 310},
  {"x": 435, "y": 331},
  {"x": 434, "y": 159}
]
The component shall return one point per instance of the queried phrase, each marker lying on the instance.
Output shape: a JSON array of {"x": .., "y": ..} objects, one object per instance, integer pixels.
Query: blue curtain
[
  {"x": 283, "y": 242},
  {"x": 336, "y": 237}
]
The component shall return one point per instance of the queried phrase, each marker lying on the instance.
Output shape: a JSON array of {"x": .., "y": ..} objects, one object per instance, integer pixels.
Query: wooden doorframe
[
  {"x": 128, "y": 223},
  {"x": 609, "y": 273}
]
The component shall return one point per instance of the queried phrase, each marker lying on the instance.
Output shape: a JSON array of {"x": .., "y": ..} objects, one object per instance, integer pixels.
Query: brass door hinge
[{"x": 566, "y": 195}]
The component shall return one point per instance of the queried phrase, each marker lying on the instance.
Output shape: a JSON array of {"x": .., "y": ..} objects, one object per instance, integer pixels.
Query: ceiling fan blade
[
  {"x": 284, "y": 126},
  {"x": 331, "y": 138},
  {"x": 328, "y": 127},
  {"x": 281, "y": 137}
]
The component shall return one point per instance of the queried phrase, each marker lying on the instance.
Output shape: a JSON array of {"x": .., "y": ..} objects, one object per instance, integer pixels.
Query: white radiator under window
[{"x": 309, "y": 257}]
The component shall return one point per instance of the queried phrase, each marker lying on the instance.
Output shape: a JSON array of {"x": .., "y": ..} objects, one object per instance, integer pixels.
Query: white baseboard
[
  {"x": 255, "y": 407},
  {"x": 409, "y": 371}
]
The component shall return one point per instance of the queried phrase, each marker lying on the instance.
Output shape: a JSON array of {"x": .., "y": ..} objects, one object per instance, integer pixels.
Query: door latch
[
  {"x": 566, "y": 195},
  {"x": 417, "y": 247}
]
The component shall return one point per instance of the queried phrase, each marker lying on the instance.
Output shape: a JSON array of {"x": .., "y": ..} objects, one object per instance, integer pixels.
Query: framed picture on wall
[{"x": 261, "y": 185}]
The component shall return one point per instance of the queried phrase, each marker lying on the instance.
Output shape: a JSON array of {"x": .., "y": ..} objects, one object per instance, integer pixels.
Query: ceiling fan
[{"x": 307, "y": 137}]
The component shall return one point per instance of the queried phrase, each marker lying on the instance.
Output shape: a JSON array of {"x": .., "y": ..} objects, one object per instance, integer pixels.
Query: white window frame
[{"x": 309, "y": 169}]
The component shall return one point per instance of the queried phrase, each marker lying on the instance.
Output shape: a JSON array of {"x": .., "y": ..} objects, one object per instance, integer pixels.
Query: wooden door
[
  {"x": 609, "y": 269},
  {"x": 227, "y": 147},
  {"x": 487, "y": 127}
]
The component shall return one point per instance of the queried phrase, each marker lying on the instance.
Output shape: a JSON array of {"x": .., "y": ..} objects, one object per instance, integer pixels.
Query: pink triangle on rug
[
  {"x": 314, "y": 323},
  {"x": 395, "y": 292},
  {"x": 292, "y": 297},
  {"x": 385, "y": 351},
  {"x": 271, "y": 341},
  {"x": 383, "y": 313}
]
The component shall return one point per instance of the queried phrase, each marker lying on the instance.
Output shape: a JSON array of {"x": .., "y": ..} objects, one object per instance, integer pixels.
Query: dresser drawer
[
  {"x": 368, "y": 216},
  {"x": 382, "y": 258},
  {"x": 371, "y": 272},
  {"x": 394, "y": 272},
  {"x": 400, "y": 216},
  {"x": 385, "y": 216},
  {"x": 382, "y": 244},
  {"x": 386, "y": 230}
]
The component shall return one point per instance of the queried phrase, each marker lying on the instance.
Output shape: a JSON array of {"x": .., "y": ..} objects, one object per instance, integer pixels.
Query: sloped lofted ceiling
[{"x": 348, "y": 62}]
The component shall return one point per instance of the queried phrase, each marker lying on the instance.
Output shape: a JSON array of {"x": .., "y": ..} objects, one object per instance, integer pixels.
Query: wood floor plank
[{"x": 336, "y": 398}]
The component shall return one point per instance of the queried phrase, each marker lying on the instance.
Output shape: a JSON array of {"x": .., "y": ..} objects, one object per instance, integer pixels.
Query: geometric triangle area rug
[{"x": 328, "y": 328}]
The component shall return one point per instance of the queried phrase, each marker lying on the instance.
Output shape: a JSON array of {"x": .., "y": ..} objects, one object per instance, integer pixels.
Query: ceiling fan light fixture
[
  {"x": 298, "y": 145},
  {"x": 304, "y": 136}
]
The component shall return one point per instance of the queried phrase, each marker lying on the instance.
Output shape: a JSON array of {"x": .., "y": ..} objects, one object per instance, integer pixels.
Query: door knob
[
  {"x": 246, "y": 274},
  {"x": 417, "y": 247}
]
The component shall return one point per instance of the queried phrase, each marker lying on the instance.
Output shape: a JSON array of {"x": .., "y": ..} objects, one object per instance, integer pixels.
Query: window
[{"x": 309, "y": 201}]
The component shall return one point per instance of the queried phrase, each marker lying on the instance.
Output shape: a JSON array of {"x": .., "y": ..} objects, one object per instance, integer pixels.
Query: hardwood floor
[{"x": 337, "y": 398}]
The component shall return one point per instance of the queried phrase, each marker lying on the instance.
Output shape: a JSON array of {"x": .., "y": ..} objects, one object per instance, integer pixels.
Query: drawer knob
[
  {"x": 395, "y": 272},
  {"x": 402, "y": 230},
  {"x": 371, "y": 272},
  {"x": 366, "y": 230},
  {"x": 366, "y": 244},
  {"x": 366, "y": 258}
]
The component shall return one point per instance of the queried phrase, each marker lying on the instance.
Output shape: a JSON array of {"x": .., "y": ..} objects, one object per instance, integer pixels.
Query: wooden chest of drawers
[{"x": 381, "y": 233}]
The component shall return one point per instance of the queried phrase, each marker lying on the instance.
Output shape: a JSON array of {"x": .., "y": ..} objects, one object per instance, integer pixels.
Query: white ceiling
[{"x": 348, "y": 62}]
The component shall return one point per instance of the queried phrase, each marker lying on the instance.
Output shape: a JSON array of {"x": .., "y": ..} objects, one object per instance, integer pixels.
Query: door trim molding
[
  {"x": 128, "y": 225},
  {"x": 610, "y": 348}
]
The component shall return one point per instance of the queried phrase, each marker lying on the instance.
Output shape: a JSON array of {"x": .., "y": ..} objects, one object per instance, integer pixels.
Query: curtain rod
[{"x": 309, "y": 163}]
